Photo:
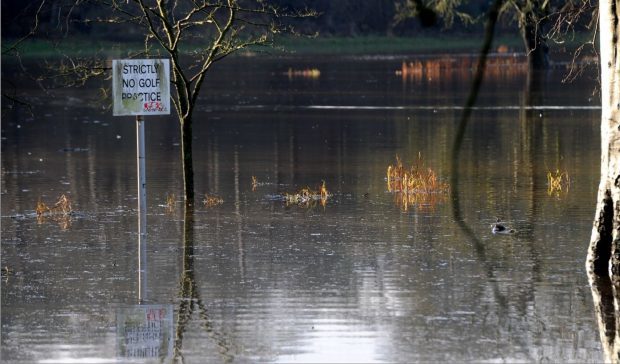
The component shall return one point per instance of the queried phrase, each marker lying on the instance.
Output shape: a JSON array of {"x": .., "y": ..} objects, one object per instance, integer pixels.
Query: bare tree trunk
[
  {"x": 186, "y": 157},
  {"x": 605, "y": 298},
  {"x": 531, "y": 24},
  {"x": 605, "y": 232},
  {"x": 536, "y": 47}
]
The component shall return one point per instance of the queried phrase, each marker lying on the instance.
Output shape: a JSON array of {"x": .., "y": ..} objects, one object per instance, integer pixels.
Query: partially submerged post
[
  {"x": 141, "y": 153},
  {"x": 141, "y": 87}
]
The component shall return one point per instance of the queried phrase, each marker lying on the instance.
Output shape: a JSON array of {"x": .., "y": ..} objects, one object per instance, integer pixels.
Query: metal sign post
[
  {"x": 141, "y": 87},
  {"x": 142, "y": 208}
]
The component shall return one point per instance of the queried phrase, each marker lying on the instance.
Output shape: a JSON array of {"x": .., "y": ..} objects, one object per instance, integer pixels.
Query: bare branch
[{"x": 33, "y": 30}]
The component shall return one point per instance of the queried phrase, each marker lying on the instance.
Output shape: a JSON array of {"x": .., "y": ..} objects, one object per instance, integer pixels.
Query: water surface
[{"x": 358, "y": 280}]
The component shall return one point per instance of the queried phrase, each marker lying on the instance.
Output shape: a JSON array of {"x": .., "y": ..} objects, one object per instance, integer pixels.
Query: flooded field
[{"x": 369, "y": 275}]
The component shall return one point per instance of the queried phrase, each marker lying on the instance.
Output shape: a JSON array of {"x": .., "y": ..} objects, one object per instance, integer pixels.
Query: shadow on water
[{"x": 190, "y": 298}]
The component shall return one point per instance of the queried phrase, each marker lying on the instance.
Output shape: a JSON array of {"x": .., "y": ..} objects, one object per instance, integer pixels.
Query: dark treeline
[{"x": 58, "y": 19}]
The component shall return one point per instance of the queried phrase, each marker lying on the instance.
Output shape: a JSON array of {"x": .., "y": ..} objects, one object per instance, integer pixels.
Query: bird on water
[{"x": 499, "y": 228}]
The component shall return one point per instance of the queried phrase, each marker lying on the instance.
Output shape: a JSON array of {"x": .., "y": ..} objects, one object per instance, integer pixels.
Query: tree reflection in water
[
  {"x": 190, "y": 300},
  {"x": 478, "y": 245},
  {"x": 605, "y": 297}
]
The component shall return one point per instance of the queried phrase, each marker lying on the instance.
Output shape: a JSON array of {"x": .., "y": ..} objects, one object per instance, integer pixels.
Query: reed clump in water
[
  {"x": 170, "y": 203},
  {"x": 417, "y": 185},
  {"x": 61, "y": 207},
  {"x": 212, "y": 200},
  {"x": 558, "y": 183},
  {"x": 307, "y": 197},
  {"x": 60, "y": 212}
]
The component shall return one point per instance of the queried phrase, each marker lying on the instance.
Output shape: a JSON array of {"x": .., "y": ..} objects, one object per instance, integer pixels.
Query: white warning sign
[{"x": 141, "y": 86}]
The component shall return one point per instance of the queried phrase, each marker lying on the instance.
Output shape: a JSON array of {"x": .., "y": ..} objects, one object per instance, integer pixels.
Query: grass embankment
[
  {"x": 322, "y": 45},
  {"x": 77, "y": 47},
  {"x": 392, "y": 45}
]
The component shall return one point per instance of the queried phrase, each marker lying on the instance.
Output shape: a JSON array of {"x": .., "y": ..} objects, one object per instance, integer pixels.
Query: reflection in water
[
  {"x": 144, "y": 332},
  {"x": 360, "y": 280},
  {"x": 479, "y": 246},
  {"x": 500, "y": 67},
  {"x": 190, "y": 299},
  {"x": 606, "y": 299}
]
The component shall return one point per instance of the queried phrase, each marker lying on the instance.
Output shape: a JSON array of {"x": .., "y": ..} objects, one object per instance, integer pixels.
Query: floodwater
[{"x": 364, "y": 278}]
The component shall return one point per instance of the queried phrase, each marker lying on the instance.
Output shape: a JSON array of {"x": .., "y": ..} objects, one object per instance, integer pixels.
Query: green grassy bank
[
  {"x": 392, "y": 45},
  {"x": 371, "y": 45}
]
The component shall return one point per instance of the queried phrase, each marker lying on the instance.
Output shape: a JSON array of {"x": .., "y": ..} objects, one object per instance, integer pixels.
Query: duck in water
[{"x": 499, "y": 228}]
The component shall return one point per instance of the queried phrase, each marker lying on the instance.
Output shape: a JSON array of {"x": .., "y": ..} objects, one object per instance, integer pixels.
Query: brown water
[{"x": 255, "y": 280}]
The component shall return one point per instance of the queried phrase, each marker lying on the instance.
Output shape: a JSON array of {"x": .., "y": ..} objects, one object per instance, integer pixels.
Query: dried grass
[
  {"x": 61, "y": 207},
  {"x": 417, "y": 185},
  {"x": 558, "y": 183},
  {"x": 211, "y": 201},
  {"x": 60, "y": 212},
  {"x": 170, "y": 203},
  {"x": 307, "y": 197}
]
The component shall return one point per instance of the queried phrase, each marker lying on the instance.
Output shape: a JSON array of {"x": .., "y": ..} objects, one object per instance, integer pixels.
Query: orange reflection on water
[{"x": 498, "y": 66}]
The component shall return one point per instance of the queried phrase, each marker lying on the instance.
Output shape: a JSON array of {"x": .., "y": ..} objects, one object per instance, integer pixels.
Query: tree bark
[
  {"x": 605, "y": 298},
  {"x": 604, "y": 246},
  {"x": 186, "y": 157}
]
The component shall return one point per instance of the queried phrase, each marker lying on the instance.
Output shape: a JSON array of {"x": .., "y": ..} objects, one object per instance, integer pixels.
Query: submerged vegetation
[
  {"x": 60, "y": 212},
  {"x": 306, "y": 197},
  {"x": 254, "y": 183},
  {"x": 62, "y": 207},
  {"x": 212, "y": 200},
  {"x": 170, "y": 203},
  {"x": 558, "y": 183},
  {"x": 417, "y": 185}
]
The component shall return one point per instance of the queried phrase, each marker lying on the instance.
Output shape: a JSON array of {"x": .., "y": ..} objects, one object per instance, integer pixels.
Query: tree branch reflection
[
  {"x": 458, "y": 141},
  {"x": 190, "y": 299}
]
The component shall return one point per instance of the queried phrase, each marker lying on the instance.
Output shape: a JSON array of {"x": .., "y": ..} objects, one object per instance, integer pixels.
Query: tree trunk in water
[
  {"x": 186, "y": 157},
  {"x": 606, "y": 229},
  {"x": 605, "y": 298},
  {"x": 536, "y": 46}
]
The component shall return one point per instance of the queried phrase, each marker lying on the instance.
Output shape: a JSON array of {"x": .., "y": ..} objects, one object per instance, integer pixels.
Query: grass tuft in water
[
  {"x": 417, "y": 185},
  {"x": 558, "y": 183},
  {"x": 61, "y": 207},
  {"x": 60, "y": 212},
  {"x": 307, "y": 197},
  {"x": 170, "y": 203},
  {"x": 212, "y": 200}
]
